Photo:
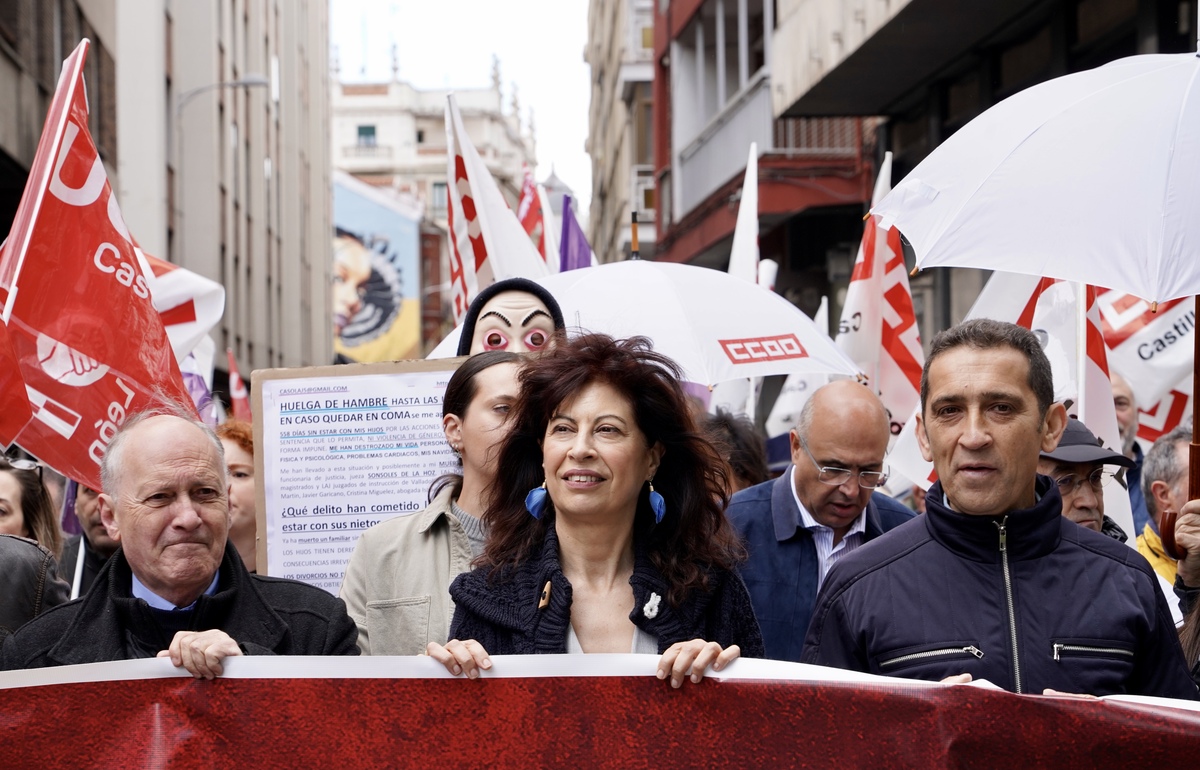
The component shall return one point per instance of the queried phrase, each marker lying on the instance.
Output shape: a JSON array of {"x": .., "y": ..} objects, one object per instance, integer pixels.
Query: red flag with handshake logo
[{"x": 86, "y": 338}]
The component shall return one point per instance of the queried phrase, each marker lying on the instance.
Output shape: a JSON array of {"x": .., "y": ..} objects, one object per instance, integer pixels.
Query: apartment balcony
[
  {"x": 719, "y": 151},
  {"x": 376, "y": 151}
]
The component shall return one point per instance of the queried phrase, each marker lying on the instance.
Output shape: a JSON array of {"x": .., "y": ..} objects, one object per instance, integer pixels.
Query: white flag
[
  {"x": 878, "y": 328},
  {"x": 487, "y": 241}
]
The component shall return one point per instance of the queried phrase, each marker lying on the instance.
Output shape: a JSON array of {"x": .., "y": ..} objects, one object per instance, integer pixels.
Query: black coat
[
  {"x": 504, "y": 617},
  {"x": 29, "y": 583},
  {"x": 931, "y": 599},
  {"x": 265, "y": 616}
]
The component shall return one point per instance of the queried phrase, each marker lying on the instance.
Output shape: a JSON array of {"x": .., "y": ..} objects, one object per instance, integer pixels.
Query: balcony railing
[
  {"x": 367, "y": 151},
  {"x": 818, "y": 137}
]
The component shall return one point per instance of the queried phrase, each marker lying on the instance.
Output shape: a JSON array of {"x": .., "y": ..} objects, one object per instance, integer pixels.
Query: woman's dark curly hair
[{"x": 694, "y": 536}]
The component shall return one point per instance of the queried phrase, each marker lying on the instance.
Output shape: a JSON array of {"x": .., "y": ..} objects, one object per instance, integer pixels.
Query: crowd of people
[{"x": 598, "y": 510}]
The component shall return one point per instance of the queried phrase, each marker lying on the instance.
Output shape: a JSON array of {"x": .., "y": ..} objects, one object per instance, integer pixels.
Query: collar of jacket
[
  {"x": 114, "y": 621},
  {"x": 1032, "y": 532},
  {"x": 786, "y": 516},
  {"x": 438, "y": 507},
  {"x": 510, "y": 599}
]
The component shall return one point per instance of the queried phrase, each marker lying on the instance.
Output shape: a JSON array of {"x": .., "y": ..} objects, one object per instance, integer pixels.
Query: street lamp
[{"x": 181, "y": 101}]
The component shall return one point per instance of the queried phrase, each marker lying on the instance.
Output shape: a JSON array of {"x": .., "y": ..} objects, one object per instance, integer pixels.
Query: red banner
[
  {"x": 89, "y": 343},
  {"x": 617, "y": 721}
]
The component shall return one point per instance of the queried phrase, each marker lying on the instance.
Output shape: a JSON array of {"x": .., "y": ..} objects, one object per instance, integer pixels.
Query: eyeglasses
[
  {"x": 21, "y": 464},
  {"x": 1097, "y": 478},
  {"x": 835, "y": 476}
]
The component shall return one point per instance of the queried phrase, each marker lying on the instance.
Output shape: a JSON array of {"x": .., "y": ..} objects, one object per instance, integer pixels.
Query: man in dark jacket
[
  {"x": 820, "y": 510},
  {"x": 84, "y": 554},
  {"x": 993, "y": 582},
  {"x": 176, "y": 588}
]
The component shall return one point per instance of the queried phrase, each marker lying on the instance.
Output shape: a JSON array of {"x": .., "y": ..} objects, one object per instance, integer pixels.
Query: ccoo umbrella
[
  {"x": 715, "y": 326},
  {"x": 1091, "y": 177}
]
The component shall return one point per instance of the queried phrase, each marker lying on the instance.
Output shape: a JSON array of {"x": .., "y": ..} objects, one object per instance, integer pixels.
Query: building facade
[
  {"x": 620, "y": 52},
  {"x": 392, "y": 135},
  {"x": 930, "y": 66},
  {"x": 712, "y": 98},
  {"x": 35, "y": 37},
  {"x": 224, "y": 162}
]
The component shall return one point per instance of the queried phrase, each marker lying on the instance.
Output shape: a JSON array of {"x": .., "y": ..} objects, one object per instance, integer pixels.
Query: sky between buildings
[{"x": 450, "y": 44}]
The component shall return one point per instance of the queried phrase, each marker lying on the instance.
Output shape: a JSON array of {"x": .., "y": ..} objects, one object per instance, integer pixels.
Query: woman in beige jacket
[{"x": 396, "y": 585}]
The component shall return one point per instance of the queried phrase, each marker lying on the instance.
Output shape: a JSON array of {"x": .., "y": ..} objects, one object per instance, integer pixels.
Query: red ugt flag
[{"x": 88, "y": 341}]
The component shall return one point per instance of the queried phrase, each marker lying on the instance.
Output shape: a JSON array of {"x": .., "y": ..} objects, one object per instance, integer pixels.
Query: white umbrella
[
  {"x": 1091, "y": 177},
  {"x": 715, "y": 326}
]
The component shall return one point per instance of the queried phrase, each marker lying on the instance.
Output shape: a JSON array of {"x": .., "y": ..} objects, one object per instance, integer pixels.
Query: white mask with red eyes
[{"x": 515, "y": 321}]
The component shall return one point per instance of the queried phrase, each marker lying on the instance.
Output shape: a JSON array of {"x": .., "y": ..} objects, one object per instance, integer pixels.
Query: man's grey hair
[
  {"x": 1162, "y": 464},
  {"x": 111, "y": 463}
]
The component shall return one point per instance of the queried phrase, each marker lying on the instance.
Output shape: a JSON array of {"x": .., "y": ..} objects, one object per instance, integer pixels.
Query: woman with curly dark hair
[{"x": 607, "y": 524}]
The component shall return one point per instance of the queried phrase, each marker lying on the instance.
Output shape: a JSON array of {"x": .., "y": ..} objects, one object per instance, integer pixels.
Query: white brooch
[{"x": 651, "y": 608}]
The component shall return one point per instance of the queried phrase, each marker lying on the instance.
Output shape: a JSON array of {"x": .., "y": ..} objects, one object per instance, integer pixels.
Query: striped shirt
[{"x": 827, "y": 553}]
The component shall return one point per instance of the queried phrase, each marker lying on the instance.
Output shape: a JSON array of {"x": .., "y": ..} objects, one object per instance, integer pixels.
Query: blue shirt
[{"x": 782, "y": 570}]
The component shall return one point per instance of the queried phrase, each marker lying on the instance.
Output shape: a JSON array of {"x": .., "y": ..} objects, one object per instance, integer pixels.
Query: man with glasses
[
  {"x": 1077, "y": 466},
  {"x": 821, "y": 509},
  {"x": 993, "y": 582}
]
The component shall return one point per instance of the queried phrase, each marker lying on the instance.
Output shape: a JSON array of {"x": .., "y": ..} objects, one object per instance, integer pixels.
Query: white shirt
[
  {"x": 157, "y": 602},
  {"x": 827, "y": 553}
]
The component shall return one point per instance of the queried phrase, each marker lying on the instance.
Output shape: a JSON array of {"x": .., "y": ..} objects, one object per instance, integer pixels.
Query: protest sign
[{"x": 340, "y": 449}]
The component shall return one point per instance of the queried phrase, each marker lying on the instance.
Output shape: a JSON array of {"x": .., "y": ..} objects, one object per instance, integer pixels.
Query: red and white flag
[
  {"x": 189, "y": 304},
  {"x": 487, "y": 241},
  {"x": 1154, "y": 351},
  {"x": 538, "y": 218},
  {"x": 239, "y": 398},
  {"x": 878, "y": 328},
  {"x": 17, "y": 410},
  {"x": 1066, "y": 318},
  {"x": 88, "y": 342}
]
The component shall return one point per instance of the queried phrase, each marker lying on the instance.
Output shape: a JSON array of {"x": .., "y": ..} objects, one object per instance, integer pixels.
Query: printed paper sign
[{"x": 339, "y": 450}]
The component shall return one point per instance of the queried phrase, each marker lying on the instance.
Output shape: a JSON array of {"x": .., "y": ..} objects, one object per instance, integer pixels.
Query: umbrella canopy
[
  {"x": 1091, "y": 177},
  {"x": 715, "y": 326}
]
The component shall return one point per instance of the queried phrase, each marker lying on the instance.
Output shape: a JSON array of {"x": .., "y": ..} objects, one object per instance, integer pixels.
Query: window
[
  {"x": 440, "y": 200},
  {"x": 420, "y": 136},
  {"x": 366, "y": 136}
]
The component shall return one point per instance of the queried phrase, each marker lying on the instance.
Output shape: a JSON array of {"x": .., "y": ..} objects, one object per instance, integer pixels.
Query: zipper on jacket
[
  {"x": 970, "y": 649},
  {"x": 1012, "y": 614},
  {"x": 1061, "y": 648}
]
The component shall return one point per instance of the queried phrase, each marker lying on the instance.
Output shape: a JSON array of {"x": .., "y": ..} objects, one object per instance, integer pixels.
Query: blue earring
[
  {"x": 657, "y": 504},
  {"x": 535, "y": 501}
]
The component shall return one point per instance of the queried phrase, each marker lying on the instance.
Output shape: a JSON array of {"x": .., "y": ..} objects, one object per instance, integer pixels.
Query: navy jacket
[
  {"x": 503, "y": 613},
  {"x": 781, "y": 571},
  {"x": 1028, "y": 600}
]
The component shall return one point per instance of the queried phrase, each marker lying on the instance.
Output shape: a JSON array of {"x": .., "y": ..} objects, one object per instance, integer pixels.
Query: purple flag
[{"x": 576, "y": 251}]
